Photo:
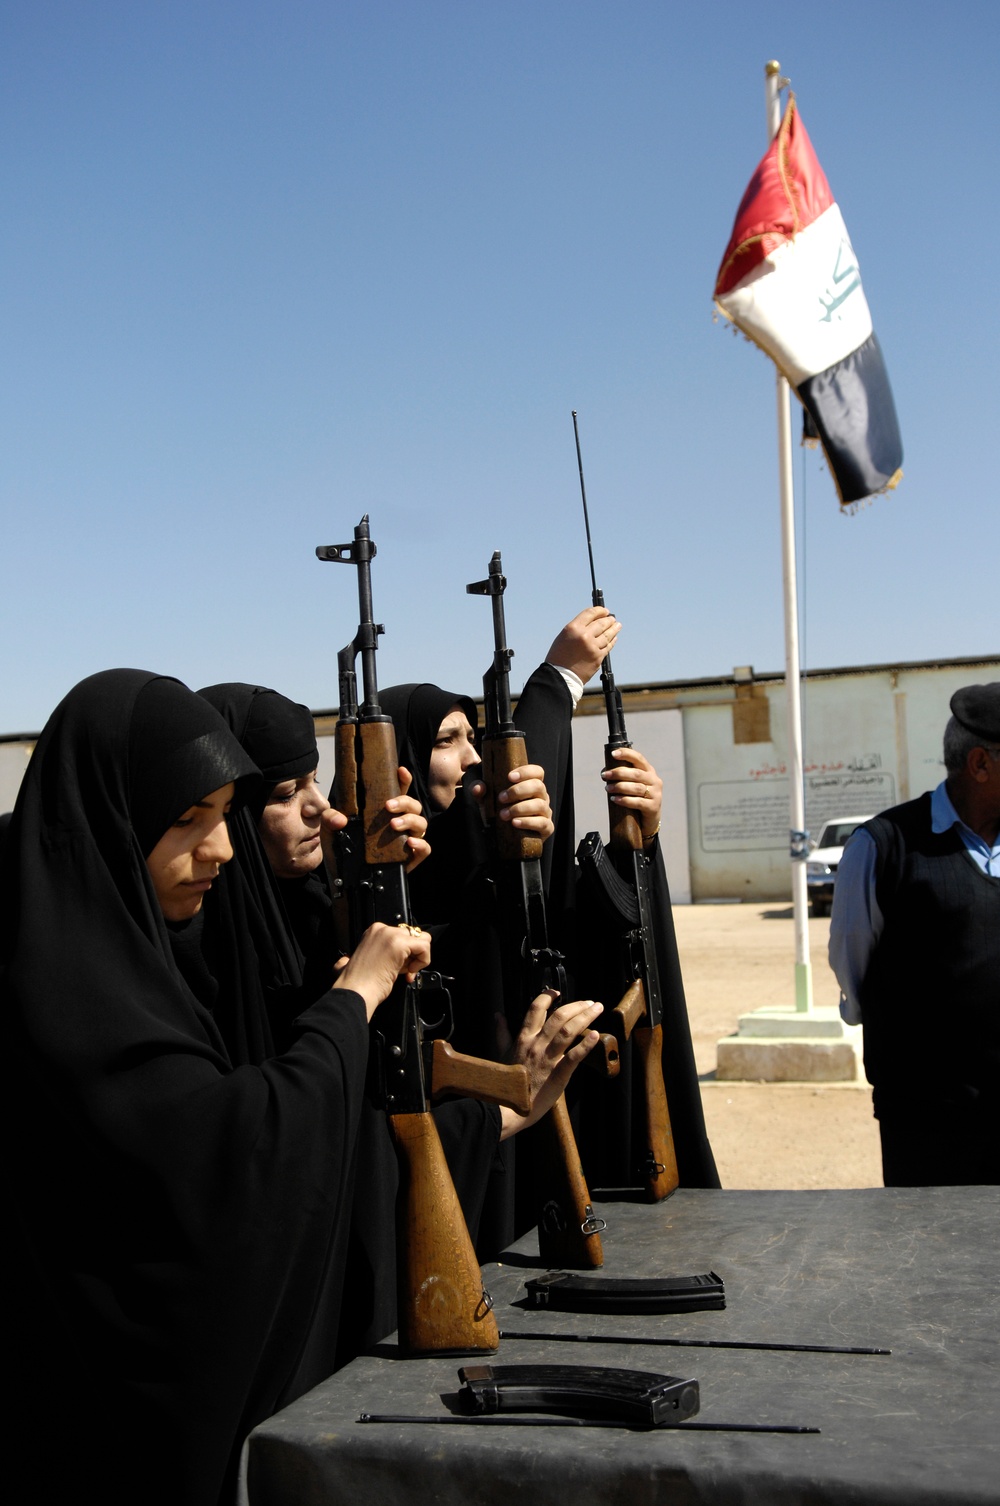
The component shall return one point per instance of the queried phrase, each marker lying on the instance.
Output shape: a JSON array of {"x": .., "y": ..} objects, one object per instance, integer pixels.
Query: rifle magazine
[{"x": 629, "y": 1396}]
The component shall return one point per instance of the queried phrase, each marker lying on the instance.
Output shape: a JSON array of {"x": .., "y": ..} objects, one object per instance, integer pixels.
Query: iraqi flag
[{"x": 790, "y": 281}]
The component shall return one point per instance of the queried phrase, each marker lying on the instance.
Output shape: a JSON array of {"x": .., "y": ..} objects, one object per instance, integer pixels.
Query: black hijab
[
  {"x": 278, "y": 734},
  {"x": 280, "y": 737},
  {"x": 444, "y": 888},
  {"x": 417, "y": 712},
  {"x": 176, "y": 1212},
  {"x": 121, "y": 758}
]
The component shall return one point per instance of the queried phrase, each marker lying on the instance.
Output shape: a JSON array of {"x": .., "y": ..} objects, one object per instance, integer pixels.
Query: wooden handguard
[
  {"x": 378, "y": 773},
  {"x": 344, "y": 794},
  {"x": 566, "y": 1211},
  {"x": 474, "y": 1077},
  {"x": 500, "y": 755},
  {"x": 442, "y": 1305},
  {"x": 659, "y": 1172}
]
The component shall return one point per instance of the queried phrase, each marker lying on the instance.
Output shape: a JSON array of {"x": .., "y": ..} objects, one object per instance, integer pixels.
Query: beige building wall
[
  {"x": 872, "y": 738},
  {"x": 13, "y": 762},
  {"x": 660, "y": 736}
]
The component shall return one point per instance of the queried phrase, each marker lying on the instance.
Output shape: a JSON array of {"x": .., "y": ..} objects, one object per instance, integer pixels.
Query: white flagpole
[{"x": 773, "y": 84}]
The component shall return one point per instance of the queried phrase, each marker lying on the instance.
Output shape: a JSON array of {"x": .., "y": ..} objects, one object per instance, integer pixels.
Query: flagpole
[{"x": 798, "y": 844}]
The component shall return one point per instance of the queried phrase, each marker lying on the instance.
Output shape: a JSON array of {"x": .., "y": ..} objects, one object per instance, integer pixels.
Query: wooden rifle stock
[
  {"x": 568, "y": 1230},
  {"x": 660, "y": 1166},
  {"x": 443, "y": 1306},
  {"x": 568, "y": 1233}
]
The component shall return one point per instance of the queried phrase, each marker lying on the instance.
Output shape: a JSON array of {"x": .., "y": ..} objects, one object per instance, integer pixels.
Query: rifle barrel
[
  {"x": 617, "y": 737},
  {"x": 597, "y": 596},
  {"x": 434, "y": 1251}
]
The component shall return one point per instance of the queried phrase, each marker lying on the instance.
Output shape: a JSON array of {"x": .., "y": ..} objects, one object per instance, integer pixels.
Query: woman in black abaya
[
  {"x": 611, "y": 1131},
  {"x": 179, "y": 1191},
  {"x": 449, "y": 891},
  {"x": 453, "y": 898},
  {"x": 611, "y": 1140},
  {"x": 277, "y": 841}
]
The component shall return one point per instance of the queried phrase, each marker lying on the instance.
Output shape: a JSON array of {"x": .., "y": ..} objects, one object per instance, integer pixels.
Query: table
[{"x": 913, "y": 1270}]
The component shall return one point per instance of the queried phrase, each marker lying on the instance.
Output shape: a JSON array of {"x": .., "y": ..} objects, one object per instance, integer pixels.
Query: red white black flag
[{"x": 790, "y": 281}]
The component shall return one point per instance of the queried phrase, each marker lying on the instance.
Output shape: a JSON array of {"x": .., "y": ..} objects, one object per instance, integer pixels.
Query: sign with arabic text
[{"x": 751, "y": 815}]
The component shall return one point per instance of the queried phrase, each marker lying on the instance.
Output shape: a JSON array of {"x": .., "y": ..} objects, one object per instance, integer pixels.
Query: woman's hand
[
  {"x": 550, "y": 1045},
  {"x": 407, "y": 816},
  {"x": 585, "y": 643},
  {"x": 635, "y": 784},
  {"x": 384, "y": 954},
  {"x": 525, "y": 802}
]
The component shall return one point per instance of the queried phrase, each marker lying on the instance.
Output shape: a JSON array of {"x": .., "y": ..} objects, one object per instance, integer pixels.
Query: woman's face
[
  {"x": 290, "y": 826},
  {"x": 189, "y": 855},
  {"x": 454, "y": 751}
]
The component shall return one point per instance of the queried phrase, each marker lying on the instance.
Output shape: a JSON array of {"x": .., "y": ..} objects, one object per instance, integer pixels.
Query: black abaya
[
  {"x": 178, "y": 1202},
  {"x": 280, "y": 736},
  {"x": 450, "y": 892},
  {"x": 611, "y": 1139}
]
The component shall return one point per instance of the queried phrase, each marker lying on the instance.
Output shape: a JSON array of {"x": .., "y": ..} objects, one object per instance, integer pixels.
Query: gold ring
[{"x": 412, "y": 930}]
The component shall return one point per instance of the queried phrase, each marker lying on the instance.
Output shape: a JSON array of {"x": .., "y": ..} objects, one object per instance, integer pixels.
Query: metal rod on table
[
  {"x": 603, "y": 1338},
  {"x": 586, "y": 1422}
]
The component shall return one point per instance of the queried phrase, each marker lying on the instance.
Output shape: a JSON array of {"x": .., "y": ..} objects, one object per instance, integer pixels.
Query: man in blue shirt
[{"x": 915, "y": 945}]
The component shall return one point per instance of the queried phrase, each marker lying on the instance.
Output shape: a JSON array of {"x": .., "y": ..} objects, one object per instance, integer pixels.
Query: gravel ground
[{"x": 741, "y": 957}]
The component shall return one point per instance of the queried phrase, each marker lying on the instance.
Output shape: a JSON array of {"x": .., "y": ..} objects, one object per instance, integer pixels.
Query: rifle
[
  {"x": 568, "y": 1230},
  {"x": 442, "y": 1304},
  {"x": 620, "y": 876}
]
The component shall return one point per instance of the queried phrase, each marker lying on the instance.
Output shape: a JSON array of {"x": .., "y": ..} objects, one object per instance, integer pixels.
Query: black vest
[{"x": 930, "y": 1002}]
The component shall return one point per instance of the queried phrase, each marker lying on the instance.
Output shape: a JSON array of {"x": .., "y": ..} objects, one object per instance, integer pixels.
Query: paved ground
[{"x": 777, "y": 1135}]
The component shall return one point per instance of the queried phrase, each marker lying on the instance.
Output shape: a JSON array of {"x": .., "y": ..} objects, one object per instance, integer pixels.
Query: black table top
[{"x": 911, "y": 1270}]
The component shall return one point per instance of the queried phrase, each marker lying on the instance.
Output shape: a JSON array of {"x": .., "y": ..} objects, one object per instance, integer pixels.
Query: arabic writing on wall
[
  {"x": 859, "y": 763},
  {"x": 751, "y": 815}
]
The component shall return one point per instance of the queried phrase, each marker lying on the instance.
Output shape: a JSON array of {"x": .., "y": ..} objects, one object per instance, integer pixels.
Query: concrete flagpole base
[{"x": 786, "y": 1045}]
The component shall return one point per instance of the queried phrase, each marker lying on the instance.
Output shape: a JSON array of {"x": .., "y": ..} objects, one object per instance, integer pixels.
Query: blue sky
[{"x": 269, "y": 266}]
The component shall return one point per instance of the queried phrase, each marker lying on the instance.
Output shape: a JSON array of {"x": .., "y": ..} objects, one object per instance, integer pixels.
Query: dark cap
[{"x": 977, "y": 709}]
